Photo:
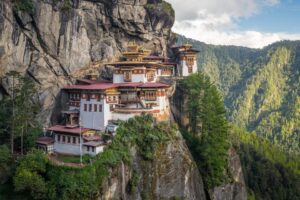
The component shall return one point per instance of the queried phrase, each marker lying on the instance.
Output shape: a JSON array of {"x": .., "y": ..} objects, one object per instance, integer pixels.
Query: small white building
[
  {"x": 187, "y": 59},
  {"x": 46, "y": 144},
  {"x": 93, "y": 148},
  {"x": 72, "y": 140}
]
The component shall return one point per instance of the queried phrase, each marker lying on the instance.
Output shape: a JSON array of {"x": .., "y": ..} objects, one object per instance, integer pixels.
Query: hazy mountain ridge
[{"x": 260, "y": 87}]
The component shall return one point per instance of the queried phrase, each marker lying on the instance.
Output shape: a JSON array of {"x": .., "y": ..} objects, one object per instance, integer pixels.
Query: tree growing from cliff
[{"x": 208, "y": 128}]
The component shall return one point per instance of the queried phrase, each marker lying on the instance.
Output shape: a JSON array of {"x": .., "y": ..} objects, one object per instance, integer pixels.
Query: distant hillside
[{"x": 261, "y": 87}]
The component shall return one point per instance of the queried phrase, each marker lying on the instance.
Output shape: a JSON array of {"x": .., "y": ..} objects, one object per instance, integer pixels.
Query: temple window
[
  {"x": 90, "y": 107},
  {"x": 127, "y": 76},
  {"x": 74, "y": 140},
  {"x": 95, "y": 107},
  {"x": 63, "y": 138},
  {"x": 58, "y": 138},
  {"x": 100, "y": 108},
  {"x": 111, "y": 107},
  {"x": 69, "y": 139},
  {"x": 150, "y": 76},
  {"x": 150, "y": 96},
  {"x": 85, "y": 107},
  {"x": 93, "y": 149}
]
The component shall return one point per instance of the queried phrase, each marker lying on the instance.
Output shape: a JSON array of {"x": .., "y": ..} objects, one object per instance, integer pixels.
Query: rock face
[
  {"x": 57, "y": 38},
  {"x": 236, "y": 190},
  {"x": 172, "y": 175}
]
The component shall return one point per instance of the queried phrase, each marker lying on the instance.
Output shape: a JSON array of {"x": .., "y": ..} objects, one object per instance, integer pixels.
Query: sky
[{"x": 249, "y": 23}]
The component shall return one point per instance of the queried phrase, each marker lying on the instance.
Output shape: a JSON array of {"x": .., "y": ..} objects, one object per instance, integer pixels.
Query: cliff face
[
  {"x": 237, "y": 189},
  {"x": 57, "y": 38},
  {"x": 172, "y": 175}
]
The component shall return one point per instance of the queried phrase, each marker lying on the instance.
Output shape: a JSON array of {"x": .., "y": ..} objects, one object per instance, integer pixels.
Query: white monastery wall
[
  {"x": 92, "y": 119},
  {"x": 118, "y": 78},
  {"x": 124, "y": 116}
]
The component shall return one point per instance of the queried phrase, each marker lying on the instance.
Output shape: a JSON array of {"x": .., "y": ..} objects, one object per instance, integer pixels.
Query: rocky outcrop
[
  {"x": 172, "y": 175},
  {"x": 57, "y": 38},
  {"x": 237, "y": 189}
]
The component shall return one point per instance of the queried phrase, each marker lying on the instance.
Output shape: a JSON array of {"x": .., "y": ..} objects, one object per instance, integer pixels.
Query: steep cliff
[
  {"x": 172, "y": 175},
  {"x": 50, "y": 40}
]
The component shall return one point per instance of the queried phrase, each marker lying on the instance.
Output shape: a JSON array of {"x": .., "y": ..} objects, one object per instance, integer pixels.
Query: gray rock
[
  {"x": 172, "y": 175},
  {"x": 237, "y": 189}
]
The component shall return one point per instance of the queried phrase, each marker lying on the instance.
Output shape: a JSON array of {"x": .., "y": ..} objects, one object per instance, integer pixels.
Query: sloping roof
[
  {"x": 93, "y": 144},
  {"x": 96, "y": 86},
  {"x": 65, "y": 129},
  {"x": 45, "y": 140},
  {"x": 86, "y": 81},
  {"x": 104, "y": 86},
  {"x": 92, "y": 138}
]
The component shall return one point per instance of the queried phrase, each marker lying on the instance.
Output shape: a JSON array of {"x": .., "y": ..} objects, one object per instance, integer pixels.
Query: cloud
[
  {"x": 216, "y": 22},
  {"x": 216, "y": 36}
]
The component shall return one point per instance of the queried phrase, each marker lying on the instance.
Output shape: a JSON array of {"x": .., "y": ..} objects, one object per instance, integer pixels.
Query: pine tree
[
  {"x": 208, "y": 137},
  {"x": 18, "y": 112}
]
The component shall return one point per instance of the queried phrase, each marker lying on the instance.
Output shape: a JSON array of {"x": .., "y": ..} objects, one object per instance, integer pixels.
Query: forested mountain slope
[{"x": 260, "y": 87}]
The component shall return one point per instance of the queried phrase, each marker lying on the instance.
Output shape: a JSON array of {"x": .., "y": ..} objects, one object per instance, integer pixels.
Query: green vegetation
[
  {"x": 167, "y": 7},
  {"x": 18, "y": 115},
  {"x": 207, "y": 137},
  {"x": 5, "y": 162},
  {"x": 270, "y": 174},
  {"x": 29, "y": 175},
  {"x": 36, "y": 177},
  {"x": 260, "y": 87},
  {"x": 67, "y": 5},
  {"x": 25, "y": 6},
  {"x": 139, "y": 132},
  {"x": 133, "y": 182},
  {"x": 160, "y": 6},
  {"x": 74, "y": 159}
]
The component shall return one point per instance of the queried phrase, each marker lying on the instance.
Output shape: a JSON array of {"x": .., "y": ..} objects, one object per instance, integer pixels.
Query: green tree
[
  {"x": 208, "y": 136},
  {"x": 27, "y": 108},
  {"x": 18, "y": 112},
  {"x": 30, "y": 175},
  {"x": 5, "y": 162}
]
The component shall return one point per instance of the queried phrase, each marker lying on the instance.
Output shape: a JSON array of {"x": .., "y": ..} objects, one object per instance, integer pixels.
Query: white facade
[
  {"x": 124, "y": 116},
  {"x": 67, "y": 147},
  {"x": 91, "y": 118},
  {"x": 118, "y": 78},
  {"x": 92, "y": 151},
  {"x": 184, "y": 69},
  {"x": 135, "y": 78},
  {"x": 159, "y": 73},
  {"x": 163, "y": 103},
  {"x": 47, "y": 148}
]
